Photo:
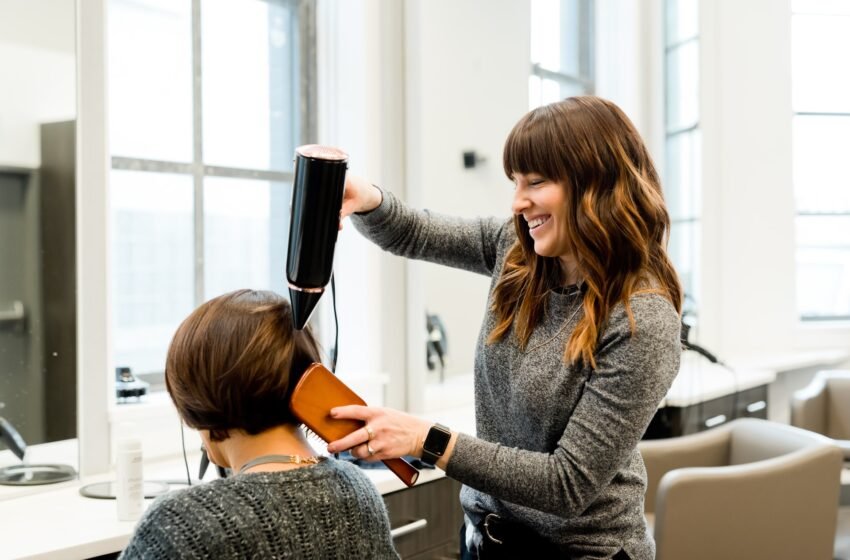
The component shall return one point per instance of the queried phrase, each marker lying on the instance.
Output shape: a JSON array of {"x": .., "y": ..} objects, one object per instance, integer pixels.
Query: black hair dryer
[{"x": 314, "y": 225}]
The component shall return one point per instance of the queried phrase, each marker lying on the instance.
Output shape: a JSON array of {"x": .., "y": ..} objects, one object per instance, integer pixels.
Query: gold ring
[
  {"x": 370, "y": 450},
  {"x": 369, "y": 433}
]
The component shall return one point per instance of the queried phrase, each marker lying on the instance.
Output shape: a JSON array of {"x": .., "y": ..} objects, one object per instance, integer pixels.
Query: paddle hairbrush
[{"x": 317, "y": 392}]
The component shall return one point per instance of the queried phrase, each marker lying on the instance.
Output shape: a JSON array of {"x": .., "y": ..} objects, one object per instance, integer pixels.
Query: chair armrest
[
  {"x": 809, "y": 406},
  {"x": 705, "y": 449}
]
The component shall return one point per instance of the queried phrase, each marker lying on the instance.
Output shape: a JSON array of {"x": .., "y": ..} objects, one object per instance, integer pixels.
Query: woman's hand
[
  {"x": 387, "y": 433},
  {"x": 359, "y": 196}
]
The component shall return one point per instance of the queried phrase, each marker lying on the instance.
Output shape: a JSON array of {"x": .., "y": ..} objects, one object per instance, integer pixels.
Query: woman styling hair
[{"x": 580, "y": 340}]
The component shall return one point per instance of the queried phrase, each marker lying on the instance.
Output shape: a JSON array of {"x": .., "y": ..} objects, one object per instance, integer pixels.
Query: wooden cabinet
[
  {"x": 426, "y": 520},
  {"x": 671, "y": 421}
]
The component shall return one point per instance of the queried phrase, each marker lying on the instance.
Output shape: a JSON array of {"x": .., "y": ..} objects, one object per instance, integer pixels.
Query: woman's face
[{"x": 542, "y": 204}]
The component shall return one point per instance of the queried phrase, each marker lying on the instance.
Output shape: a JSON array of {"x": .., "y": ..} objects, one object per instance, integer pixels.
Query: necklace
[
  {"x": 296, "y": 459},
  {"x": 556, "y": 335}
]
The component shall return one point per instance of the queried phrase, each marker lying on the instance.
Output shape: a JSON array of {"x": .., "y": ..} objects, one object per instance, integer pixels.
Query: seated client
[{"x": 230, "y": 371}]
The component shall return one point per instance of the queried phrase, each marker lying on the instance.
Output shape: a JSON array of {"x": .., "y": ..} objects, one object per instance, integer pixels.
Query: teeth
[{"x": 536, "y": 222}]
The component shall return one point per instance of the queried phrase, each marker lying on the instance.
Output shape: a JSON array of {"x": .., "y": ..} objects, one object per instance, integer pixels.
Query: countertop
[{"x": 58, "y": 523}]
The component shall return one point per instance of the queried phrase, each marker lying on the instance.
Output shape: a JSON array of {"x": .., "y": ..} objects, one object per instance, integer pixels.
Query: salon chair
[
  {"x": 823, "y": 406},
  {"x": 751, "y": 489}
]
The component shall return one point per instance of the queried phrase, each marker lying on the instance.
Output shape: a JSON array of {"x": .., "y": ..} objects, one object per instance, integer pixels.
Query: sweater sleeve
[
  {"x": 468, "y": 244},
  {"x": 632, "y": 375}
]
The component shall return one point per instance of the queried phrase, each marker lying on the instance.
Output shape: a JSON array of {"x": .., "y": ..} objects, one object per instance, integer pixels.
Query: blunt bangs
[{"x": 535, "y": 145}]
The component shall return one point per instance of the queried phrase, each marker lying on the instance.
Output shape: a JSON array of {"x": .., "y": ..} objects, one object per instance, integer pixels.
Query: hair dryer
[{"x": 314, "y": 225}]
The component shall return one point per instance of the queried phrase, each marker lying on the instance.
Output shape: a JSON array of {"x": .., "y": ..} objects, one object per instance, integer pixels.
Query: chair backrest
[
  {"x": 782, "y": 504},
  {"x": 838, "y": 403},
  {"x": 823, "y": 406},
  {"x": 758, "y": 440},
  {"x": 808, "y": 406}
]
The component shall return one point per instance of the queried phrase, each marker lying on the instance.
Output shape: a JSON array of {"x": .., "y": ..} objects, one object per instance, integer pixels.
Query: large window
[
  {"x": 682, "y": 174},
  {"x": 561, "y": 50},
  {"x": 207, "y": 102},
  {"x": 821, "y": 136}
]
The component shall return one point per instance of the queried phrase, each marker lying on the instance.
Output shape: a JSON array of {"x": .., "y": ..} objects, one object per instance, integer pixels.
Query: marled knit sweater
[
  {"x": 556, "y": 445},
  {"x": 329, "y": 510}
]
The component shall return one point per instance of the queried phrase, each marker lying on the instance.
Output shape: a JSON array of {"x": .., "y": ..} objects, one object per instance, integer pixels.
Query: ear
[{"x": 214, "y": 452}]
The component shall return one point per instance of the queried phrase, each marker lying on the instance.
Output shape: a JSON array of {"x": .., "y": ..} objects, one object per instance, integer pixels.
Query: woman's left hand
[{"x": 387, "y": 433}]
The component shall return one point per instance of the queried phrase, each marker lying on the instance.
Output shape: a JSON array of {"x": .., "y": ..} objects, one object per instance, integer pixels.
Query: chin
[{"x": 543, "y": 250}]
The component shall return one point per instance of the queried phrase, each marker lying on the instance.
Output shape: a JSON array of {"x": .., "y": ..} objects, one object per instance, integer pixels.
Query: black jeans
[{"x": 490, "y": 550}]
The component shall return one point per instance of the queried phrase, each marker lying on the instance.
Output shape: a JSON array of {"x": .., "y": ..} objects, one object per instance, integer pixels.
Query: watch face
[{"x": 437, "y": 440}]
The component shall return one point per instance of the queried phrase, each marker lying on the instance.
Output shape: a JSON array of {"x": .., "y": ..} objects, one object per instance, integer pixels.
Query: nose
[{"x": 520, "y": 202}]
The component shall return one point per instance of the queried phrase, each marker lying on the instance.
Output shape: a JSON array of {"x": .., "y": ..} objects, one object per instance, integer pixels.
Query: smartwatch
[{"x": 435, "y": 443}]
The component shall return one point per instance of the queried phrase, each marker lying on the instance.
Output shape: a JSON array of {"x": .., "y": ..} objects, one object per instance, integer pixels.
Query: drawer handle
[
  {"x": 715, "y": 421},
  {"x": 411, "y": 527},
  {"x": 756, "y": 406}
]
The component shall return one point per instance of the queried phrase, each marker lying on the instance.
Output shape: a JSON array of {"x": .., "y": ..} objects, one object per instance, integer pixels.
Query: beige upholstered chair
[
  {"x": 823, "y": 406},
  {"x": 751, "y": 489}
]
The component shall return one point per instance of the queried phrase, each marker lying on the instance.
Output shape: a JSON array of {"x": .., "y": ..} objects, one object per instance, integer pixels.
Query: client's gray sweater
[
  {"x": 329, "y": 510},
  {"x": 556, "y": 445}
]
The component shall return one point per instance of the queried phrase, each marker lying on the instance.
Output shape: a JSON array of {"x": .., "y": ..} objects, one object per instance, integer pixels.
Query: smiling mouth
[{"x": 537, "y": 222}]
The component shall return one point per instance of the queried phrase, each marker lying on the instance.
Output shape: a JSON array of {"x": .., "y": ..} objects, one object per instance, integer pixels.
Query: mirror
[{"x": 37, "y": 219}]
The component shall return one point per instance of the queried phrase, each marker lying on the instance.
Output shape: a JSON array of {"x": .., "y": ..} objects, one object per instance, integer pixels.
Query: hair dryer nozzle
[{"x": 303, "y": 303}]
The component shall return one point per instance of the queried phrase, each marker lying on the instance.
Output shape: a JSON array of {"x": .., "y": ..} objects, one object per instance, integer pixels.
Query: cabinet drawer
[
  {"x": 679, "y": 421},
  {"x": 752, "y": 403},
  {"x": 428, "y": 517},
  {"x": 716, "y": 412}
]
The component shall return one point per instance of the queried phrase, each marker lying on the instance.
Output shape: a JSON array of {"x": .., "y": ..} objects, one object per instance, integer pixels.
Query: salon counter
[{"x": 57, "y": 522}]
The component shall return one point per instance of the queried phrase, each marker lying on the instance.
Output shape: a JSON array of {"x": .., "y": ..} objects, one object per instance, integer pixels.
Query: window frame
[
  {"x": 671, "y": 134},
  {"x": 199, "y": 170},
  {"x": 585, "y": 27},
  {"x": 97, "y": 410},
  {"x": 803, "y": 318}
]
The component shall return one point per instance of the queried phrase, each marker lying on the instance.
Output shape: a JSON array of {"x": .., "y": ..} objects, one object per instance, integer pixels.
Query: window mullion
[
  {"x": 538, "y": 70},
  {"x": 198, "y": 152}
]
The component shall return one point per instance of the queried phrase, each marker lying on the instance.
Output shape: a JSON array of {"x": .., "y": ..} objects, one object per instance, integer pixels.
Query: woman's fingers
[
  {"x": 386, "y": 433},
  {"x": 353, "y": 412},
  {"x": 358, "y": 436}
]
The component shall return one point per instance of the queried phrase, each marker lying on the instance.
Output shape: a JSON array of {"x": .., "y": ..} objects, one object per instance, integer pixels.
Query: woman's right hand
[{"x": 360, "y": 196}]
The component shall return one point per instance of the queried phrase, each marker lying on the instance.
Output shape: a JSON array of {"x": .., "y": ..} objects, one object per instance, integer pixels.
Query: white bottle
[{"x": 129, "y": 487}]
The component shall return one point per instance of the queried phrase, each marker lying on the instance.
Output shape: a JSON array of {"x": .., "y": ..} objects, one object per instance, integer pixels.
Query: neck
[
  {"x": 240, "y": 448},
  {"x": 569, "y": 270}
]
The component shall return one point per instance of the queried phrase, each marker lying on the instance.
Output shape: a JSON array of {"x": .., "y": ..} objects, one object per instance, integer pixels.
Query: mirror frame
[{"x": 94, "y": 385}]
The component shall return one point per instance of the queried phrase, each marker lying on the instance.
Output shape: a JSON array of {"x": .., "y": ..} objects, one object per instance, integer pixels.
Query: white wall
[
  {"x": 467, "y": 68},
  {"x": 405, "y": 89},
  {"x": 361, "y": 110},
  {"x": 37, "y": 85},
  {"x": 748, "y": 232}
]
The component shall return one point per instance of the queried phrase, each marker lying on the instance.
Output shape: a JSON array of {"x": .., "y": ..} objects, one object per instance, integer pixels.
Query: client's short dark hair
[{"x": 233, "y": 363}]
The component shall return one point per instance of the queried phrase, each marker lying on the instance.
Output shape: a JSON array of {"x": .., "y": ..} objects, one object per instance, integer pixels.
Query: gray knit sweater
[
  {"x": 329, "y": 510},
  {"x": 556, "y": 445}
]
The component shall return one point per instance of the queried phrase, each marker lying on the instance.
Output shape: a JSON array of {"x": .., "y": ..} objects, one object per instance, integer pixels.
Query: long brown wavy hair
[{"x": 617, "y": 221}]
